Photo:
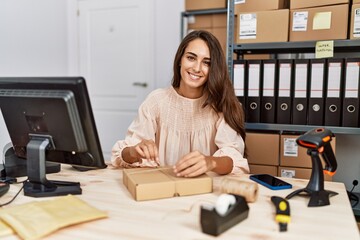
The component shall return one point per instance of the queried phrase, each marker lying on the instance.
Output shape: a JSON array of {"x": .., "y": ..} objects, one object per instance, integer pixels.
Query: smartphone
[{"x": 270, "y": 181}]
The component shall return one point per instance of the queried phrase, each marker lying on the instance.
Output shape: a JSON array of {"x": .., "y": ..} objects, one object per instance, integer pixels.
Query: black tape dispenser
[
  {"x": 230, "y": 209},
  {"x": 318, "y": 143}
]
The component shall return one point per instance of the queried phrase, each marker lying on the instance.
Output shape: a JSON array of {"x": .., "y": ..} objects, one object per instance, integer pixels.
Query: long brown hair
[{"x": 219, "y": 89}]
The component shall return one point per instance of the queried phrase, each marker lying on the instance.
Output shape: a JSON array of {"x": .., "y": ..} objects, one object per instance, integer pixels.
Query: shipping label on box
[
  {"x": 300, "y": 20},
  {"x": 355, "y": 22},
  {"x": 157, "y": 183},
  {"x": 290, "y": 147},
  {"x": 247, "y": 24}
]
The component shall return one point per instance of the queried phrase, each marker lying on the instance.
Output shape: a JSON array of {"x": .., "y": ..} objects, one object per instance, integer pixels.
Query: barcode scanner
[{"x": 317, "y": 141}]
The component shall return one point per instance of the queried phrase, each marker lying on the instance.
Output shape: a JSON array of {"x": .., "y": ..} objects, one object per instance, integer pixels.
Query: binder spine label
[
  {"x": 239, "y": 78},
  {"x": 301, "y": 81},
  {"x": 352, "y": 80},
  {"x": 317, "y": 76},
  {"x": 269, "y": 80},
  {"x": 254, "y": 80},
  {"x": 333, "y": 89},
  {"x": 284, "y": 80}
]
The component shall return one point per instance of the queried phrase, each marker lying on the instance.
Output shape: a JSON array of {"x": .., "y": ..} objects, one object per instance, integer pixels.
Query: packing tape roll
[{"x": 249, "y": 190}]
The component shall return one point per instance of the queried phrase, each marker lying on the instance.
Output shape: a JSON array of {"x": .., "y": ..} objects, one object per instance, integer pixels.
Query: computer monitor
[{"x": 50, "y": 119}]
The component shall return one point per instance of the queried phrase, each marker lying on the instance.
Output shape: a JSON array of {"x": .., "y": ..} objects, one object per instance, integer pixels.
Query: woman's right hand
[{"x": 146, "y": 149}]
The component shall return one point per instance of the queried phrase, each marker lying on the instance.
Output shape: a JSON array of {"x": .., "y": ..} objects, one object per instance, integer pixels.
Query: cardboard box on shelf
[
  {"x": 157, "y": 183},
  {"x": 256, "y": 27},
  {"x": 262, "y": 148},
  {"x": 219, "y": 20},
  {"x": 220, "y": 34},
  {"x": 263, "y": 169},
  {"x": 303, "y": 173},
  {"x": 293, "y": 155},
  {"x": 207, "y": 21},
  {"x": 296, "y": 4},
  {"x": 355, "y": 22},
  {"x": 320, "y": 23},
  {"x": 214, "y": 23},
  {"x": 200, "y": 21},
  {"x": 204, "y": 4},
  {"x": 260, "y": 5}
]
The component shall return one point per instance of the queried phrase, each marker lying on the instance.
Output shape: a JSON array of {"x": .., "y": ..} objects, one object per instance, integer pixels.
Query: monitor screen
[{"x": 50, "y": 119}]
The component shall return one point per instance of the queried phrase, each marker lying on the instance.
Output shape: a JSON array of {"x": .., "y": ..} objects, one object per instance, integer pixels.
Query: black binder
[
  {"x": 317, "y": 93},
  {"x": 268, "y": 94},
  {"x": 239, "y": 74},
  {"x": 350, "y": 109},
  {"x": 253, "y": 91},
  {"x": 284, "y": 91},
  {"x": 300, "y": 93},
  {"x": 334, "y": 76}
]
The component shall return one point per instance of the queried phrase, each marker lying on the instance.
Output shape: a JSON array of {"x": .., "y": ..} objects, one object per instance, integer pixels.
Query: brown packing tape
[{"x": 248, "y": 190}]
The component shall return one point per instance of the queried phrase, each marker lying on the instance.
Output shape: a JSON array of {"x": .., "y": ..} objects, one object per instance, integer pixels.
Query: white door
[{"x": 116, "y": 58}]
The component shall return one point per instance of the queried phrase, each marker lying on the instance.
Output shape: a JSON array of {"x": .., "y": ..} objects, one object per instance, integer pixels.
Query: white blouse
[{"x": 180, "y": 125}]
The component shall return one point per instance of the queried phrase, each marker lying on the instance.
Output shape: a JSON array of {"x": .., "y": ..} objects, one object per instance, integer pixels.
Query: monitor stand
[
  {"x": 17, "y": 167},
  {"x": 37, "y": 185}
]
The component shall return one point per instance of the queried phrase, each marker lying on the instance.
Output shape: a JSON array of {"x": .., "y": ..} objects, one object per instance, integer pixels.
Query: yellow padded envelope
[{"x": 40, "y": 218}]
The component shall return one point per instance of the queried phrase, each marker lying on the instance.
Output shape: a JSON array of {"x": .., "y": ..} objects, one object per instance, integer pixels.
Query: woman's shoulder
[{"x": 159, "y": 93}]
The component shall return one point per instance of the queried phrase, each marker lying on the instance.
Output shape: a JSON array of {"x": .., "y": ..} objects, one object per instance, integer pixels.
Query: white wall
[
  {"x": 38, "y": 38},
  {"x": 33, "y": 41}
]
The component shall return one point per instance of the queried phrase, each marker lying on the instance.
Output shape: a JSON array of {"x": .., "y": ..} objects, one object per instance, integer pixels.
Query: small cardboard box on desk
[{"x": 156, "y": 183}]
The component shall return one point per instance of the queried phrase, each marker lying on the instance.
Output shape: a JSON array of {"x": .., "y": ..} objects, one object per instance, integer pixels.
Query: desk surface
[{"x": 178, "y": 218}]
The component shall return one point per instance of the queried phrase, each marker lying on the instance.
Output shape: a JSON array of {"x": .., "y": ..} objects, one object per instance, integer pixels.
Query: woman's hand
[
  {"x": 146, "y": 149},
  {"x": 194, "y": 164}
]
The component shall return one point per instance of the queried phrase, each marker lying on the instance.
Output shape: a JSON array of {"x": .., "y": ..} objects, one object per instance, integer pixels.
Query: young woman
[{"x": 197, "y": 124}]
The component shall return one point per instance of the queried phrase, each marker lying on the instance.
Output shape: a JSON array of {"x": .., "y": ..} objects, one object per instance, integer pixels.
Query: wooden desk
[{"x": 178, "y": 218}]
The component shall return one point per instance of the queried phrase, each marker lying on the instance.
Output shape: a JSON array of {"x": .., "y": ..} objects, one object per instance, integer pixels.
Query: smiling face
[{"x": 194, "y": 69}]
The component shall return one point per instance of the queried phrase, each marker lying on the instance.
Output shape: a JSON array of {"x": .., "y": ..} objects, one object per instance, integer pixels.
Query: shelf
[
  {"x": 298, "y": 128},
  {"x": 294, "y": 47},
  {"x": 203, "y": 12}
]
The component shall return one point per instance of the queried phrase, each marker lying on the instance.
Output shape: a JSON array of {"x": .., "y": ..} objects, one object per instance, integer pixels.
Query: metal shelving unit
[
  {"x": 340, "y": 46},
  {"x": 294, "y": 47}
]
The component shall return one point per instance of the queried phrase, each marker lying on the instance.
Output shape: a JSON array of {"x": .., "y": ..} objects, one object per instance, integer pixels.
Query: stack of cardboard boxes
[
  {"x": 279, "y": 155},
  {"x": 258, "y": 21},
  {"x": 215, "y": 23}
]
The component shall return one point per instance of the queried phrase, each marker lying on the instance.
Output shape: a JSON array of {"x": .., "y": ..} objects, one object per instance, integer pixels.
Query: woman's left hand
[{"x": 194, "y": 164}]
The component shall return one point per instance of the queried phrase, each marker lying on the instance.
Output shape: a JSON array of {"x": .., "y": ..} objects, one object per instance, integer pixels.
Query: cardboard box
[
  {"x": 293, "y": 155},
  {"x": 256, "y": 56},
  {"x": 303, "y": 173},
  {"x": 262, "y": 148},
  {"x": 255, "y": 27},
  {"x": 220, "y": 34},
  {"x": 260, "y": 5},
  {"x": 263, "y": 169},
  {"x": 200, "y": 21},
  {"x": 214, "y": 23},
  {"x": 157, "y": 183},
  {"x": 321, "y": 23},
  {"x": 355, "y": 22},
  {"x": 219, "y": 20},
  {"x": 296, "y": 4},
  {"x": 204, "y": 4}
]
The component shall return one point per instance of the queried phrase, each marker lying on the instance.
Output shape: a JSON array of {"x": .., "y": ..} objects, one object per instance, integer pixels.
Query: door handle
[{"x": 141, "y": 84}]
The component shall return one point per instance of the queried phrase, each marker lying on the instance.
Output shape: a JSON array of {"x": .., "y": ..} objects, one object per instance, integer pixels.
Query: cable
[
  {"x": 352, "y": 196},
  {"x": 11, "y": 200}
]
